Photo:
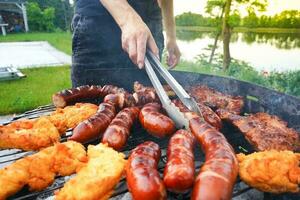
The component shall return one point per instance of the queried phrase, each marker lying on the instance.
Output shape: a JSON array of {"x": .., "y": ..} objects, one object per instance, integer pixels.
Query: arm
[
  {"x": 135, "y": 33},
  {"x": 169, "y": 24}
]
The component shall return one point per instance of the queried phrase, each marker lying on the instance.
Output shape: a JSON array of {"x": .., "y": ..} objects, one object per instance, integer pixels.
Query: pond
[{"x": 264, "y": 51}]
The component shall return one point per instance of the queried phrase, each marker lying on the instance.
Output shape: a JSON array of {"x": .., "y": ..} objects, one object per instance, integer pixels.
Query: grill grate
[{"x": 241, "y": 190}]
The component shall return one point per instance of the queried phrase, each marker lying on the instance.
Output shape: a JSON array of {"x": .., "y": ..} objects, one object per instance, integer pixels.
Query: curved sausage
[
  {"x": 218, "y": 174},
  {"x": 154, "y": 122},
  {"x": 179, "y": 171},
  {"x": 65, "y": 97},
  {"x": 143, "y": 179},
  {"x": 208, "y": 114},
  {"x": 95, "y": 125},
  {"x": 120, "y": 100},
  {"x": 111, "y": 89},
  {"x": 118, "y": 131}
]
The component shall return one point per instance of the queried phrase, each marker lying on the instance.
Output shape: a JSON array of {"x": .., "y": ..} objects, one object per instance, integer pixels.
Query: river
[{"x": 264, "y": 51}]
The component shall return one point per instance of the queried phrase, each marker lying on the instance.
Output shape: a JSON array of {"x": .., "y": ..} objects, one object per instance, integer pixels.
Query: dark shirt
[{"x": 89, "y": 8}]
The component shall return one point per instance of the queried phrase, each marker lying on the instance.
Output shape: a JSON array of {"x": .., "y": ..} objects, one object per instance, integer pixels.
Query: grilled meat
[
  {"x": 271, "y": 171},
  {"x": 71, "y": 116},
  {"x": 209, "y": 116},
  {"x": 38, "y": 170},
  {"x": 98, "y": 178},
  {"x": 215, "y": 99},
  {"x": 28, "y": 134},
  {"x": 264, "y": 131},
  {"x": 138, "y": 87}
]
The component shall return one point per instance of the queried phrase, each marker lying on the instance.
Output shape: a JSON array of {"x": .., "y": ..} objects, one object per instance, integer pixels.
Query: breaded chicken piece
[
  {"x": 98, "y": 178},
  {"x": 71, "y": 116},
  {"x": 39, "y": 170},
  {"x": 271, "y": 171},
  {"x": 28, "y": 134}
]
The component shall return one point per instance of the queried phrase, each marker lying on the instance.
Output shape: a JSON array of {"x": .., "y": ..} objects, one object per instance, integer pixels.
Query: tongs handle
[{"x": 180, "y": 92}]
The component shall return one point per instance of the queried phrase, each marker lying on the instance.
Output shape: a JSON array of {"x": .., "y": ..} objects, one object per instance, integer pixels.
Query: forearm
[
  {"x": 168, "y": 19},
  {"x": 121, "y": 11}
]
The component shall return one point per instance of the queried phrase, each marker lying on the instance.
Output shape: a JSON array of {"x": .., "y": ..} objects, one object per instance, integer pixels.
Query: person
[{"x": 115, "y": 34}]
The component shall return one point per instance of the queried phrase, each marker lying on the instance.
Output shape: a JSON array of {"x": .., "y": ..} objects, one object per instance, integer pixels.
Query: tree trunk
[
  {"x": 226, "y": 32},
  {"x": 216, "y": 38}
]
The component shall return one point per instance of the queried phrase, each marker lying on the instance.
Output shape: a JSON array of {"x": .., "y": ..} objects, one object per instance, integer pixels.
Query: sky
[{"x": 198, "y": 6}]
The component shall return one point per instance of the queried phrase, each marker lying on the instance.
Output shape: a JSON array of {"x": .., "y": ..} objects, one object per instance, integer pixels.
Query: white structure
[{"x": 17, "y": 6}]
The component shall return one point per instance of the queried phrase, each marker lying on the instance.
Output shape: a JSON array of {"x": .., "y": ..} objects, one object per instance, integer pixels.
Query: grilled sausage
[
  {"x": 118, "y": 131},
  {"x": 143, "y": 179},
  {"x": 208, "y": 114},
  {"x": 120, "y": 100},
  {"x": 65, "y": 97},
  {"x": 111, "y": 89},
  {"x": 95, "y": 125},
  {"x": 218, "y": 174},
  {"x": 179, "y": 171},
  {"x": 155, "y": 122}
]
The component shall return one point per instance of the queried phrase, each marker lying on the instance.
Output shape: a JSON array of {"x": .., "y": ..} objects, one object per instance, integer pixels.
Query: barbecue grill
[{"x": 257, "y": 99}]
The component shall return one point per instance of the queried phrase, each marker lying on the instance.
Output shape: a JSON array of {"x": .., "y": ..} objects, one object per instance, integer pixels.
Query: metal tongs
[{"x": 173, "y": 111}]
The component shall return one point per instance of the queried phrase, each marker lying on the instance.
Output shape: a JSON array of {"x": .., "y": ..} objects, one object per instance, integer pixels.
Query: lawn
[
  {"x": 60, "y": 40},
  {"x": 36, "y": 89}
]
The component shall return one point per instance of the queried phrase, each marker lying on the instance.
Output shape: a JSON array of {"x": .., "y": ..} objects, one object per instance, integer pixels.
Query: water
[{"x": 264, "y": 51}]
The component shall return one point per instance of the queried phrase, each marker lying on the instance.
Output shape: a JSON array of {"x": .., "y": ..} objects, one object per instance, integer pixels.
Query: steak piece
[
  {"x": 264, "y": 131},
  {"x": 216, "y": 100}
]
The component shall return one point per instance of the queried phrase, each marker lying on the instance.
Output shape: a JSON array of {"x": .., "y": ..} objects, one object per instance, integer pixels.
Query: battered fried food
[
  {"x": 98, "y": 178},
  {"x": 71, "y": 116},
  {"x": 28, "y": 134},
  {"x": 264, "y": 131},
  {"x": 38, "y": 170},
  {"x": 216, "y": 100},
  {"x": 271, "y": 171}
]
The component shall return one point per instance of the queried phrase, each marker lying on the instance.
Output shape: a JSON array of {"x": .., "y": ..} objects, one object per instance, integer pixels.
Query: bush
[{"x": 40, "y": 20}]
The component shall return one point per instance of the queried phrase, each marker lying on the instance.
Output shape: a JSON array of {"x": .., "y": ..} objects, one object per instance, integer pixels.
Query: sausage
[
  {"x": 65, "y": 97},
  {"x": 179, "y": 171},
  {"x": 118, "y": 131},
  {"x": 143, "y": 179},
  {"x": 120, "y": 100},
  {"x": 140, "y": 87},
  {"x": 154, "y": 122},
  {"x": 95, "y": 125},
  {"x": 208, "y": 114},
  {"x": 219, "y": 172},
  {"x": 111, "y": 89}
]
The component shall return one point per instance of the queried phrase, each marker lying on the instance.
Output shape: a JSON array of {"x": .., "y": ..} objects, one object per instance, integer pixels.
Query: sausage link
[
  {"x": 154, "y": 122},
  {"x": 218, "y": 174},
  {"x": 120, "y": 100},
  {"x": 179, "y": 171},
  {"x": 111, "y": 89},
  {"x": 143, "y": 179},
  {"x": 65, "y": 97},
  {"x": 95, "y": 125},
  {"x": 118, "y": 131}
]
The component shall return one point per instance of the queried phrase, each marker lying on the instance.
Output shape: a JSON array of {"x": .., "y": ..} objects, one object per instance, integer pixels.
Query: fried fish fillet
[
  {"x": 39, "y": 170},
  {"x": 98, "y": 178},
  {"x": 28, "y": 134},
  {"x": 271, "y": 171},
  {"x": 71, "y": 116}
]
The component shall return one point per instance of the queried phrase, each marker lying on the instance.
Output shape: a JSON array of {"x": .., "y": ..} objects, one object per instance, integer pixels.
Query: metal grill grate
[{"x": 241, "y": 190}]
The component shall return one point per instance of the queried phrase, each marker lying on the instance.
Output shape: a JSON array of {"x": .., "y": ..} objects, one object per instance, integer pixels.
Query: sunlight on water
[{"x": 265, "y": 52}]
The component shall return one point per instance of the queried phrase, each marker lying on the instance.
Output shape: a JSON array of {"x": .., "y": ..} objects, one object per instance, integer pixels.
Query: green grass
[
  {"x": 36, "y": 89},
  {"x": 240, "y": 29},
  {"x": 60, "y": 40}
]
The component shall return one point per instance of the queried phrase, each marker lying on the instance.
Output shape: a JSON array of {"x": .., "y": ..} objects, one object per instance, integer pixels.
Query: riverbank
[{"x": 239, "y": 29}]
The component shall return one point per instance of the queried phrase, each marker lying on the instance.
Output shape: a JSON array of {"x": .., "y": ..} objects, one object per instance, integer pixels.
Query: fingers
[
  {"x": 132, "y": 50},
  {"x": 173, "y": 58},
  {"x": 152, "y": 46},
  {"x": 141, "y": 50}
]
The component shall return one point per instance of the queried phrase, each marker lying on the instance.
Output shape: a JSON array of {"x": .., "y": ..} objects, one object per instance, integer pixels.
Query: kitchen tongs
[{"x": 151, "y": 63}]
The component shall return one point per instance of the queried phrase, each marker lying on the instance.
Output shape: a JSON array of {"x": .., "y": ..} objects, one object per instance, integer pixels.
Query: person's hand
[
  {"x": 174, "y": 54},
  {"x": 136, "y": 37}
]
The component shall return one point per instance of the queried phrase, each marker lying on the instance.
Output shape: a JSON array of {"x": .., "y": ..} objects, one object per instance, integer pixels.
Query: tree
[
  {"x": 40, "y": 20},
  {"x": 251, "y": 5}
]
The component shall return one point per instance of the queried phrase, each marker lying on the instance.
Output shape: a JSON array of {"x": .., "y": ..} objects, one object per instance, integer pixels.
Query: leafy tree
[{"x": 40, "y": 20}]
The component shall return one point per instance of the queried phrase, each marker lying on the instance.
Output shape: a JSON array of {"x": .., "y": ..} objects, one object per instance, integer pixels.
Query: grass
[
  {"x": 241, "y": 29},
  {"x": 36, "y": 89},
  {"x": 60, "y": 40}
]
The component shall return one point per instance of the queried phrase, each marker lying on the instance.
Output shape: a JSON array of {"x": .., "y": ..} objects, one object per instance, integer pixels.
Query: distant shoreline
[{"x": 240, "y": 29}]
